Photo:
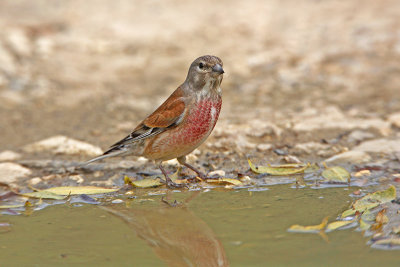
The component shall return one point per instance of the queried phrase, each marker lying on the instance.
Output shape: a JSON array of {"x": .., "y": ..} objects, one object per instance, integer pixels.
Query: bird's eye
[{"x": 201, "y": 65}]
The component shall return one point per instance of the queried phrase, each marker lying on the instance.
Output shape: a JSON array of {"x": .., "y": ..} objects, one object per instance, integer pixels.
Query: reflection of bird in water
[{"x": 177, "y": 236}]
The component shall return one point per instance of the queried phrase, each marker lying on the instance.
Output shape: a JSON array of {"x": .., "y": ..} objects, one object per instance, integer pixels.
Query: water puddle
[{"x": 205, "y": 228}]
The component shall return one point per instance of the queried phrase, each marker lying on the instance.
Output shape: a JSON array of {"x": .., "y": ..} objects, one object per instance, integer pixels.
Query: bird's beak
[{"x": 218, "y": 68}]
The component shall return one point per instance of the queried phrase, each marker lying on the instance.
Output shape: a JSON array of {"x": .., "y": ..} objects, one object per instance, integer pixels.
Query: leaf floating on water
[
  {"x": 224, "y": 181},
  {"x": 368, "y": 216},
  {"x": 43, "y": 194},
  {"x": 336, "y": 174},
  {"x": 371, "y": 201},
  {"x": 364, "y": 225},
  {"x": 284, "y": 169},
  {"x": 145, "y": 183},
  {"x": 338, "y": 224},
  {"x": 312, "y": 168},
  {"x": 79, "y": 190},
  {"x": 12, "y": 206},
  {"x": 348, "y": 212},
  {"x": 309, "y": 229}
]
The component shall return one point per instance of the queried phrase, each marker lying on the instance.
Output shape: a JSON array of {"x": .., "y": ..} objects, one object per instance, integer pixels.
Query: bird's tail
[{"x": 107, "y": 154}]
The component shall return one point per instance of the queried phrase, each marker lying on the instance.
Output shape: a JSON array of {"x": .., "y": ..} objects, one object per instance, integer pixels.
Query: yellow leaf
[
  {"x": 79, "y": 190},
  {"x": 368, "y": 216},
  {"x": 371, "y": 201},
  {"x": 224, "y": 181},
  {"x": 348, "y": 212},
  {"x": 335, "y": 225},
  {"x": 285, "y": 169},
  {"x": 12, "y": 206},
  {"x": 309, "y": 229},
  {"x": 43, "y": 194},
  {"x": 336, "y": 174},
  {"x": 364, "y": 226},
  {"x": 311, "y": 168},
  {"x": 146, "y": 183}
]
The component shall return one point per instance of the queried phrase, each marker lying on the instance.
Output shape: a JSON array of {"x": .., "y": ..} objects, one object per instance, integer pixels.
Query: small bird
[{"x": 182, "y": 123}]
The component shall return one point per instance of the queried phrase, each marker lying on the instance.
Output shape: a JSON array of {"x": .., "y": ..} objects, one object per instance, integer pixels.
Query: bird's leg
[
  {"x": 168, "y": 181},
  {"x": 182, "y": 160}
]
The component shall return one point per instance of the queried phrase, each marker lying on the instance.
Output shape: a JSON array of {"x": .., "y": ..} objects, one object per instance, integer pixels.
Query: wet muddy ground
[{"x": 307, "y": 82}]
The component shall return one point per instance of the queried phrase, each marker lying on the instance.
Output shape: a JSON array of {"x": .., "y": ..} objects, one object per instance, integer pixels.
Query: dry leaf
[
  {"x": 145, "y": 183},
  {"x": 43, "y": 194},
  {"x": 224, "y": 181},
  {"x": 381, "y": 217},
  {"x": 284, "y": 169},
  {"x": 336, "y": 174},
  {"x": 79, "y": 190},
  {"x": 335, "y": 225},
  {"x": 309, "y": 229},
  {"x": 371, "y": 201}
]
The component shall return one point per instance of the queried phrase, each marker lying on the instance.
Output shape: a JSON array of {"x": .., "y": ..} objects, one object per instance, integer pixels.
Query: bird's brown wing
[{"x": 168, "y": 115}]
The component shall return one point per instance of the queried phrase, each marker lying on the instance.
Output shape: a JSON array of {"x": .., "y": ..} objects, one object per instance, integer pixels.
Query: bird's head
[{"x": 205, "y": 74}]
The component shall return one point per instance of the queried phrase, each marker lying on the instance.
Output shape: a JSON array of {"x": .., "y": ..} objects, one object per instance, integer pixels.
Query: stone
[
  {"x": 7, "y": 62},
  {"x": 19, "y": 42},
  {"x": 35, "y": 181},
  {"x": 77, "y": 178},
  {"x": 358, "y": 136},
  {"x": 382, "y": 145},
  {"x": 219, "y": 173},
  {"x": 291, "y": 159},
  {"x": 11, "y": 172},
  {"x": 354, "y": 157},
  {"x": 394, "y": 119},
  {"x": 310, "y": 147},
  {"x": 9, "y": 155},
  {"x": 64, "y": 145},
  {"x": 264, "y": 147}
]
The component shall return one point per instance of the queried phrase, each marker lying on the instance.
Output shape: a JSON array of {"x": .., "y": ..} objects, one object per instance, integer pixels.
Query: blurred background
[{"x": 91, "y": 70}]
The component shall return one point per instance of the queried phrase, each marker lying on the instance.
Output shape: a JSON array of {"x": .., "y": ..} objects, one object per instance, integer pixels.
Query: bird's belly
[{"x": 188, "y": 135}]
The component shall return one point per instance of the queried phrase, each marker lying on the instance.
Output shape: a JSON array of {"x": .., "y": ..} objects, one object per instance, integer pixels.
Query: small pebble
[
  {"x": 264, "y": 147},
  {"x": 363, "y": 173},
  {"x": 280, "y": 152},
  {"x": 35, "y": 181},
  {"x": 77, "y": 178},
  {"x": 117, "y": 201},
  {"x": 8, "y": 155},
  {"x": 245, "y": 179},
  {"x": 220, "y": 173}
]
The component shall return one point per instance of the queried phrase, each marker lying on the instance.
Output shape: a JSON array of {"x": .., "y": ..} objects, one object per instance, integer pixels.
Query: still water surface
[{"x": 215, "y": 228}]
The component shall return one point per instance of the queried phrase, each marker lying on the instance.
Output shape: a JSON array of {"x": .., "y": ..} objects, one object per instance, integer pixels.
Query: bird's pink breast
[{"x": 187, "y": 136}]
